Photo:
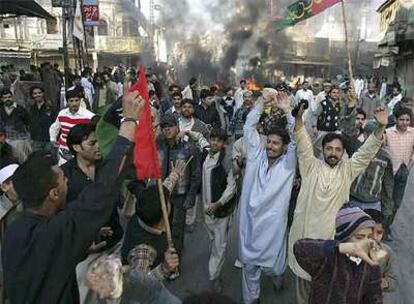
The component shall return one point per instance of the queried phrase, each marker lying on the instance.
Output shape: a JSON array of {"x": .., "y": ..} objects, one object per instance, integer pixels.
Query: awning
[
  {"x": 29, "y": 8},
  {"x": 12, "y": 54},
  {"x": 304, "y": 62}
]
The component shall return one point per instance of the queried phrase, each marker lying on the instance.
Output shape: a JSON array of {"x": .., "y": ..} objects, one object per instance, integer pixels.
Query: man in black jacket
[
  {"x": 7, "y": 153},
  {"x": 218, "y": 191},
  {"x": 172, "y": 149},
  {"x": 82, "y": 170},
  {"x": 206, "y": 111},
  {"x": 43, "y": 247},
  {"x": 16, "y": 119},
  {"x": 42, "y": 116}
]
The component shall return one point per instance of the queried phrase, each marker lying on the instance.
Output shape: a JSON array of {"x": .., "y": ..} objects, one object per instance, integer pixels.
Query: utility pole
[
  {"x": 65, "y": 47},
  {"x": 152, "y": 17}
]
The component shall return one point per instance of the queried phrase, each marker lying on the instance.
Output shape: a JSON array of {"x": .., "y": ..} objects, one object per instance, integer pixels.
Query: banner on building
[
  {"x": 62, "y": 3},
  {"x": 302, "y": 10},
  {"x": 78, "y": 30},
  {"x": 90, "y": 12}
]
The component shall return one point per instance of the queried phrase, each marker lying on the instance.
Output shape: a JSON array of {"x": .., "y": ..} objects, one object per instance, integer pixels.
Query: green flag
[{"x": 303, "y": 9}]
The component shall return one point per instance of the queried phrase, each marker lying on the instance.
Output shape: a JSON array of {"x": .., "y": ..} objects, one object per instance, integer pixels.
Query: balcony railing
[
  {"x": 15, "y": 44},
  {"x": 111, "y": 44}
]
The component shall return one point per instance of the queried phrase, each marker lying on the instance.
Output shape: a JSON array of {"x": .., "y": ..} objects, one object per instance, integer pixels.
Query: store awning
[
  {"x": 304, "y": 62},
  {"x": 29, "y": 8}
]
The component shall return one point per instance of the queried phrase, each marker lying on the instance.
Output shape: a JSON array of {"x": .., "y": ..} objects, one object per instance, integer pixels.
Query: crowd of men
[{"x": 314, "y": 178}]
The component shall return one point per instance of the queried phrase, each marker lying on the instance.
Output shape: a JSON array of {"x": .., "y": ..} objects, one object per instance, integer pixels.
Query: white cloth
[
  {"x": 265, "y": 197},
  {"x": 7, "y": 172},
  {"x": 217, "y": 229},
  {"x": 320, "y": 97},
  {"x": 187, "y": 93},
  {"x": 238, "y": 96},
  {"x": 304, "y": 94},
  {"x": 393, "y": 102},
  {"x": 88, "y": 89},
  {"x": 251, "y": 275},
  {"x": 359, "y": 87},
  {"x": 383, "y": 91}
]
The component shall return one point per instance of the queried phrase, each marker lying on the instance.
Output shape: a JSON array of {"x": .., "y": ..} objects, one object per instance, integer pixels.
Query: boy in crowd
[
  {"x": 389, "y": 279},
  {"x": 117, "y": 284},
  {"x": 343, "y": 270},
  {"x": 145, "y": 247},
  {"x": 66, "y": 119},
  {"x": 217, "y": 192}
]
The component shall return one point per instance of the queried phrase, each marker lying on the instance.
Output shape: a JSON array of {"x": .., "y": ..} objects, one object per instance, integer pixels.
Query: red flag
[
  {"x": 319, "y": 6},
  {"x": 145, "y": 153}
]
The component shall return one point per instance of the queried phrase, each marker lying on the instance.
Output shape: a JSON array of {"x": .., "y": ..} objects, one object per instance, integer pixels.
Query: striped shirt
[
  {"x": 401, "y": 146},
  {"x": 65, "y": 121}
]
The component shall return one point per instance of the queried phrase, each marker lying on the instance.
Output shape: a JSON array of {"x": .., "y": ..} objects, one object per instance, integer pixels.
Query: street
[{"x": 194, "y": 276}]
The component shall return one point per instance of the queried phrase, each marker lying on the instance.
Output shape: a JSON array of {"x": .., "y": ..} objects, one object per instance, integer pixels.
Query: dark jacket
[
  {"x": 190, "y": 182},
  {"x": 218, "y": 183},
  {"x": 41, "y": 253},
  {"x": 209, "y": 116},
  {"x": 7, "y": 156},
  {"x": 77, "y": 182},
  {"x": 109, "y": 98},
  {"x": 138, "y": 233},
  {"x": 165, "y": 103},
  {"x": 336, "y": 117},
  {"x": 376, "y": 183},
  {"x": 200, "y": 127},
  {"x": 335, "y": 278},
  {"x": 238, "y": 122},
  {"x": 369, "y": 105},
  {"x": 17, "y": 123},
  {"x": 40, "y": 121}
]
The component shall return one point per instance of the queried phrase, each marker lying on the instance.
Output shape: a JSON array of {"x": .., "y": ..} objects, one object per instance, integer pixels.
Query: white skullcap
[{"x": 7, "y": 172}]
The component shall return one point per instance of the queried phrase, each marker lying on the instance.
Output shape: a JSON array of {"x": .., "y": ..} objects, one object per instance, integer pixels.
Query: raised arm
[
  {"x": 199, "y": 139},
  {"x": 291, "y": 150},
  {"x": 361, "y": 159},
  {"x": 250, "y": 134},
  {"x": 82, "y": 219},
  {"x": 305, "y": 154}
]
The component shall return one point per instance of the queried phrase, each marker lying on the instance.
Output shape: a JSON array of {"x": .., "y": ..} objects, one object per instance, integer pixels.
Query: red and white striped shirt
[{"x": 65, "y": 121}]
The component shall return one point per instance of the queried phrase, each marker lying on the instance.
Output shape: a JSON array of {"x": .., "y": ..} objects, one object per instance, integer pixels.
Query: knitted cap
[{"x": 349, "y": 220}]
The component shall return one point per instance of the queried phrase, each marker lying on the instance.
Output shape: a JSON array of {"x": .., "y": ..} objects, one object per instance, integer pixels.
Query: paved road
[{"x": 194, "y": 276}]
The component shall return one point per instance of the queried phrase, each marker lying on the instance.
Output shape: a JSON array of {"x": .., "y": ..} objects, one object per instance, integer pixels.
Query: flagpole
[
  {"x": 348, "y": 48},
  {"x": 165, "y": 213}
]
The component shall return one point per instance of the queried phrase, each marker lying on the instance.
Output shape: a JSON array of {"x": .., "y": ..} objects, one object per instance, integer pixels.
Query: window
[{"x": 103, "y": 28}]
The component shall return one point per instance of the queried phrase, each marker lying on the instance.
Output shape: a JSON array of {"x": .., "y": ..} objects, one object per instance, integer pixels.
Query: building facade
[
  {"x": 119, "y": 38},
  {"x": 395, "y": 58}
]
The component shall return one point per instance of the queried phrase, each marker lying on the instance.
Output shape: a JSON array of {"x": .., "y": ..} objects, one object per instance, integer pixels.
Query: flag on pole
[
  {"x": 78, "y": 22},
  {"x": 303, "y": 9},
  {"x": 145, "y": 152},
  {"x": 146, "y": 158}
]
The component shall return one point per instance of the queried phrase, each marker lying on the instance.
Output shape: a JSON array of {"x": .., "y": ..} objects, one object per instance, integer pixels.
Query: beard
[{"x": 332, "y": 161}]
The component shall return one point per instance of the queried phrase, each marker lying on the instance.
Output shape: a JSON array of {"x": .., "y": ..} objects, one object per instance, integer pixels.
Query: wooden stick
[
  {"x": 188, "y": 161},
  {"x": 165, "y": 213},
  {"x": 348, "y": 48}
]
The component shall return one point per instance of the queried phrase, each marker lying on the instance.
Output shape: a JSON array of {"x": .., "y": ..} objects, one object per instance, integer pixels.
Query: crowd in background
[{"x": 314, "y": 174}]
